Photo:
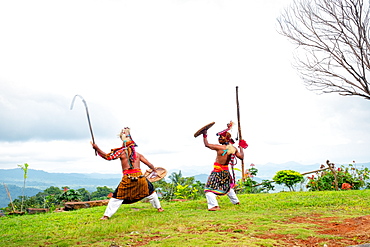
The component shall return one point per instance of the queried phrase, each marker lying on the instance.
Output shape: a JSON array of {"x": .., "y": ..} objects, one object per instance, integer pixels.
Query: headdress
[
  {"x": 128, "y": 144},
  {"x": 128, "y": 147},
  {"x": 225, "y": 136}
]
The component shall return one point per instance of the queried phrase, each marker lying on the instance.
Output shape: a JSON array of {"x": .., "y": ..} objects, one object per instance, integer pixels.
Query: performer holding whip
[{"x": 134, "y": 185}]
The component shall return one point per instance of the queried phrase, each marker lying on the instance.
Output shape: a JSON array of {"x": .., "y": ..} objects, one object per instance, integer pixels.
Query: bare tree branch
[{"x": 333, "y": 46}]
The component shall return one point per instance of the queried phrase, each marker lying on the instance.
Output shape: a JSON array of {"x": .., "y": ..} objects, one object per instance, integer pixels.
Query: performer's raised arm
[
  {"x": 207, "y": 144},
  {"x": 220, "y": 182},
  {"x": 100, "y": 152},
  {"x": 134, "y": 185},
  {"x": 114, "y": 154},
  {"x": 205, "y": 141}
]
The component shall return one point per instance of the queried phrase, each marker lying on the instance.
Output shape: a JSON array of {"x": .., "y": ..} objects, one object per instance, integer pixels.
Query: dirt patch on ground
[
  {"x": 348, "y": 232},
  {"x": 331, "y": 232}
]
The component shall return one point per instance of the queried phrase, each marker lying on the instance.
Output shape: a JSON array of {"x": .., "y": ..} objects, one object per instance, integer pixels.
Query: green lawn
[{"x": 189, "y": 223}]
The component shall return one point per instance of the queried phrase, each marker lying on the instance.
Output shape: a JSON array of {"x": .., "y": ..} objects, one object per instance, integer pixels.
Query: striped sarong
[
  {"x": 219, "y": 180},
  {"x": 132, "y": 190}
]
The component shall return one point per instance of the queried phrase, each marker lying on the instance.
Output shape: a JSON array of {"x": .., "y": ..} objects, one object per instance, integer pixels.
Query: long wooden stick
[
  {"x": 239, "y": 129},
  {"x": 10, "y": 198}
]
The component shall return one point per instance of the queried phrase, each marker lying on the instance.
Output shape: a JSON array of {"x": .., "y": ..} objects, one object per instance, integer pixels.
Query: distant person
[
  {"x": 134, "y": 186},
  {"x": 220, "y": 181}
]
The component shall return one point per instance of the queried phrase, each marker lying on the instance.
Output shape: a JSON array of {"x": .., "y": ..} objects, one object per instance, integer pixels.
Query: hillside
[
  {"x": 324, "y": 218},
  {"x": 41, "y": 180}
]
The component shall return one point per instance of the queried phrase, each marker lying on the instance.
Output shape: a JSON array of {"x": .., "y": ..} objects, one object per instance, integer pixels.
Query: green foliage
[
  {"x": 25, "y": 170},
  {"x": 356, "y": 177},
  {"x": 166, "y": 191},
  {"x": 101, "y": 193},
  {"x": 249, "y": 185},
  {"x": 70, "y": 195},
  {"x": 24, "y": 202},
  {"x": 54, "y": 197},
  {"x": 186, "y": 192},
  {"x": 179, "y": 188},
  {"x": 50, "y": 201},
  {"x": 52, "y": 190},
  {"x": 288, "y": 177},
  {"x": 14, "y": 191},
  {"x": 267, "y": 185},
  {"x": 85, "y": 194}
]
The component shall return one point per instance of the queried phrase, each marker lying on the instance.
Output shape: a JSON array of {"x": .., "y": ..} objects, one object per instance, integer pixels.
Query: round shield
[
  {"x": 154, "y": 177},
  {"x": 206, "y": 127}
]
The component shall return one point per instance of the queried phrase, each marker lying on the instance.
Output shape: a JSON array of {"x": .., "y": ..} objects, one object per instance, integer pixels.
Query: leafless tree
[{"x": 333, "y": 44}]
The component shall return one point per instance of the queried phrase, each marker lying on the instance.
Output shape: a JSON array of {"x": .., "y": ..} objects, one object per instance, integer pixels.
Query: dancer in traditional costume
[
  {"x": 134, "y": 186},
  {"x": 220, "y": 182}
]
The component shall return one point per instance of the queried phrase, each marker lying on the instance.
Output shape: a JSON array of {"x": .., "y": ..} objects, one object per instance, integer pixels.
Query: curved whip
[{"x": 88, "y": 116}]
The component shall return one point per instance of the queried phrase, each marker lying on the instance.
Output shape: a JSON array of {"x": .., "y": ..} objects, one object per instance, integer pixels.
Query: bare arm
[
  {"x": 208, "y": 145},
  {"x": 114, "y": 154},
  {"x": 146, "y": 162},
  {"x": 240, "y": 153},
  {"x": 100, "y": 152}
]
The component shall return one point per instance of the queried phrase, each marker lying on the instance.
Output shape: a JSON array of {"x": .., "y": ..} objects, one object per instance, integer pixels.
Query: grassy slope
[{"x": 185, "y": 223}]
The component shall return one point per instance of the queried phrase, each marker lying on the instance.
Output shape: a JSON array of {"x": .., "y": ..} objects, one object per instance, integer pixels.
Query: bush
[{"x": 356, "y": 178}]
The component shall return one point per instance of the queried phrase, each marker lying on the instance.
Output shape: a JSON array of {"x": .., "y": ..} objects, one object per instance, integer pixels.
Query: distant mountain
[
  {"x": 41, "y": 180},
  {"x": 38, "y": 181},
  {"x": 15, "y": 192}
]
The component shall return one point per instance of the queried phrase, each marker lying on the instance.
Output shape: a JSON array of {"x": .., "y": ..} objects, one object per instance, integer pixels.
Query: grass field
[{"x": 260, "y": 220}]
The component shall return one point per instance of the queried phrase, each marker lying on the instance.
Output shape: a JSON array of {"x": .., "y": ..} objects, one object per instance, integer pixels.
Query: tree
[
  {"x": 70, "y": 195},
  {"x": 85, "y": 194},
  {"x": 25, "y": 170},
  {"x": 333, "y": 54},
  {"x": 288, "y": 177},
  {"x": 101, "y": 193},
  {"x": 52, "y": 190}
]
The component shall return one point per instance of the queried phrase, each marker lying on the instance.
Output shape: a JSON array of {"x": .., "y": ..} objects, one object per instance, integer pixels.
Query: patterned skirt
[
  {"x": 218, "y": 182},
  {"x": 133, "y": 187}
]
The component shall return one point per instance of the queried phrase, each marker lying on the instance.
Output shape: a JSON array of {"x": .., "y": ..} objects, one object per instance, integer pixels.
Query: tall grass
[{"x": 186, "y": 223}]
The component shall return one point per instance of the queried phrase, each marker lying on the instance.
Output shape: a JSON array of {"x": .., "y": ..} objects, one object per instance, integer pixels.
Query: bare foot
[
  {"x": 160, "y": 209},
  {"x": 104, "y": 218},
  {"x": 215, "y": 208}
]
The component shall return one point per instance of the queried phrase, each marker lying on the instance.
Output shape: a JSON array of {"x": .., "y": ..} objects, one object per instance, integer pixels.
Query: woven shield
[
  {"x": 206, "y": 127},
  {"x": 161, "y": 173}
]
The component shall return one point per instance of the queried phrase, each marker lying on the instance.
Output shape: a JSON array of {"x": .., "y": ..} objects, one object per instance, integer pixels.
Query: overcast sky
[{"x": 164, "y": 69}]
